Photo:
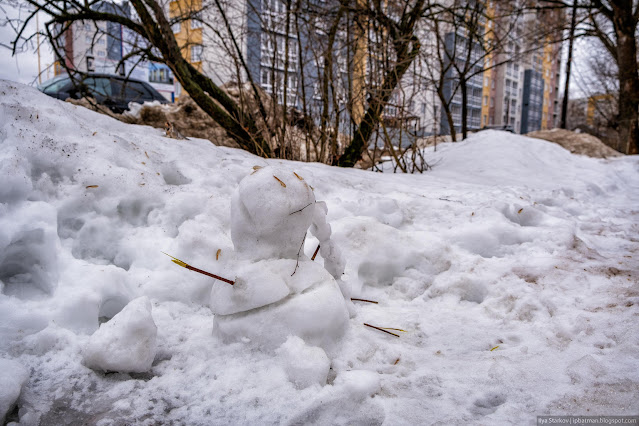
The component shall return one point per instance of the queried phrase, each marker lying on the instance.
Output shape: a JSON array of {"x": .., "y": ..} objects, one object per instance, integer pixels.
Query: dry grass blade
[
  {"x": 381, "y": 329},
  {"x": 363, "y": 300}
]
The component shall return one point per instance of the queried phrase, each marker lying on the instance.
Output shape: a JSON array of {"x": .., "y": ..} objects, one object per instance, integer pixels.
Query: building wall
[
  {"x": 457, "y": 47},
  {"x": 533, "y": 101}
]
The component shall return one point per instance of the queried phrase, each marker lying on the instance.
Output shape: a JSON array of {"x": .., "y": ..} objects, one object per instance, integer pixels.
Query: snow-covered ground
[{"x": 513, "y": 268}]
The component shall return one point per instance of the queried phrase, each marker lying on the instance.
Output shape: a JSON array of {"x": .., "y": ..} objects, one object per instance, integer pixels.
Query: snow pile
[
  {"x": 127, "y": 343},
  {"x": 511, "y": 268}
]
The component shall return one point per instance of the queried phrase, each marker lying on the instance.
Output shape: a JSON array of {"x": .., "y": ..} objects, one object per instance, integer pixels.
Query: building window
[
  {"x": 485, "y": 100},
  {"x": 196, "y": 53},
  {"x": 101, "y": 53},
  {"x": 266, "y": 77},
  {"x": 177, "y": 27},
  {"x": 90, "y": 67}
]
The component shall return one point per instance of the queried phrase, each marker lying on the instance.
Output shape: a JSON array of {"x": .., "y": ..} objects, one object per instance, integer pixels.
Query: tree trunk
[
  {"x": 625, "y": 26},
  {"x": 406, "y": 53},
  {"x": 449, "y": 115},
  {"x": 227, "y": 114},
  {"x": 464, "y": 107}
]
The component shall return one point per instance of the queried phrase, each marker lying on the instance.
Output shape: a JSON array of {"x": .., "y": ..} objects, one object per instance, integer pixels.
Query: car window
[
  {"x": 131, "y": 91},
  {"x": 99, "y": 85},
  {"x": 57, "y": 86}
]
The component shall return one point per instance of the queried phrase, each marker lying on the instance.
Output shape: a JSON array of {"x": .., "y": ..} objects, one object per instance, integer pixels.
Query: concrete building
[{"x": 521, "y": 91}]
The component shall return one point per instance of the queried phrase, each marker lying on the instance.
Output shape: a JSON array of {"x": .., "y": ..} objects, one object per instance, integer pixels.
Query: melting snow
[{"x": 512, "y": 268}]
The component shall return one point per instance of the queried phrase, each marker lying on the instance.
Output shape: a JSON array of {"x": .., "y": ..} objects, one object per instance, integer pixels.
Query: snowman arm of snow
[
  {"x": 192, "y": 268},
  {"x": 333, "y": 260}
]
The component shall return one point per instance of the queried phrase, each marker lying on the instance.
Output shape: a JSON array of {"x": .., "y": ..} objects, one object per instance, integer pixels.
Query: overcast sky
[{"x": 23, "y": 67}]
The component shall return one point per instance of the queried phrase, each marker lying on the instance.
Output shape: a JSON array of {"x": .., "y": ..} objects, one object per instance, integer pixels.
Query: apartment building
[
  {"x": 254, "y": 33},
  {"x": 514, "y": 86},
  {"x": 522, "y": 79}
]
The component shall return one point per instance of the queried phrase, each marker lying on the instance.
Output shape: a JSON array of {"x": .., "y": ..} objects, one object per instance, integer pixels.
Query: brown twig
[
  {"x": 316, "y": 251},
  {"x": 194, "y": 269},
  {"x": 364, "y": 300},
  {"x": 297, "y": 263},
  {"x": 381, "y": 329},
  {"x": 297, "y": 211},
  {"x": 217, "y": 277}
]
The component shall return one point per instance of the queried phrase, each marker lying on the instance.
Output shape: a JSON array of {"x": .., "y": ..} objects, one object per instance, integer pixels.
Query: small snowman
[{"x": 278, "y": 291}]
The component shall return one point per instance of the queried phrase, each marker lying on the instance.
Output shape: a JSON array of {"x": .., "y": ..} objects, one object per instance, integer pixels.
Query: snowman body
[{"x": 279, "y": 292}]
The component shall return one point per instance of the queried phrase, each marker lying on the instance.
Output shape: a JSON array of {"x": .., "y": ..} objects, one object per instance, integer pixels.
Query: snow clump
[
  {"x": 13, "y": 376},
  {"x": 127, "y": 343}
]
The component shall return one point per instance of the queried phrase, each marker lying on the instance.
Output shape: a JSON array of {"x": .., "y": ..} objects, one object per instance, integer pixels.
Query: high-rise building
[{"x": 521, "y": 91}]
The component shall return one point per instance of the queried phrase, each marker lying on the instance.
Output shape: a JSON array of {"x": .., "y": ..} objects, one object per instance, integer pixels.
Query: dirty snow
[{"x": 512, "y": 268}]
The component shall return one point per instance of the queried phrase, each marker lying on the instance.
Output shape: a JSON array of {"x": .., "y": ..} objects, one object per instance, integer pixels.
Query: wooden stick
[
  {"x": 316, "y": 251},
  {"x": 364, "y": 300},
  {"x": 194, "y": 269},
  {"x": 217, "y": 277},
  {"x": 381, "y": 329}
]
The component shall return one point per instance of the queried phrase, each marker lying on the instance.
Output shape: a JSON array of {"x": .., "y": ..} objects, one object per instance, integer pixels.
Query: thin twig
[
  {"x": 316, "y": 251},
  {"x": 364, "y": 300},
  {"x": 297, "y": 263},
  {"x": 192, "y": 268},
  {"x": 381, "y": 329},
  {"x": 297, "y": 211}
]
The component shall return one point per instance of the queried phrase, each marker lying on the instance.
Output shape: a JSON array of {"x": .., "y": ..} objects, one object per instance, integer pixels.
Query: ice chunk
[
  {"x": 304, "y": 365},
  {"x": 270, "y": 213},
  {"x": 125, "y": 344},
  {"x": 13, "y": 376}
]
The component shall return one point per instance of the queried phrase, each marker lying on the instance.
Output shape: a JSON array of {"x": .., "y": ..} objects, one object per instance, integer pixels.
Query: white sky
[{"x": 23, "y": 67}]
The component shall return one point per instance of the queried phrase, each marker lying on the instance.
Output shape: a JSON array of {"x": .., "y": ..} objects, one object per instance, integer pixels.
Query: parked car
[
  {"x": 112, "y": 91},
  {"x": 504, "y": 127}
]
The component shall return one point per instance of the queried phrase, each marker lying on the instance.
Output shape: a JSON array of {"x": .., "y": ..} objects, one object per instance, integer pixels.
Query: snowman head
[{"x": 271, "y": 211}]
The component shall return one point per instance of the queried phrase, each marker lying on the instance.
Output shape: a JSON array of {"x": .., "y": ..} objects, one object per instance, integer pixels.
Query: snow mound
[
  {"x": 13, "y": 377},
  {"x": 511, "y": 266},
  {"x": 127, "y": 343}
]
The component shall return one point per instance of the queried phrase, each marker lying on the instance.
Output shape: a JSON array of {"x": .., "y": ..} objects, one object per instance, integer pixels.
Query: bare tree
[
  {"x": 256, "y": 123},
  {"x": 615, "y": 24}
]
